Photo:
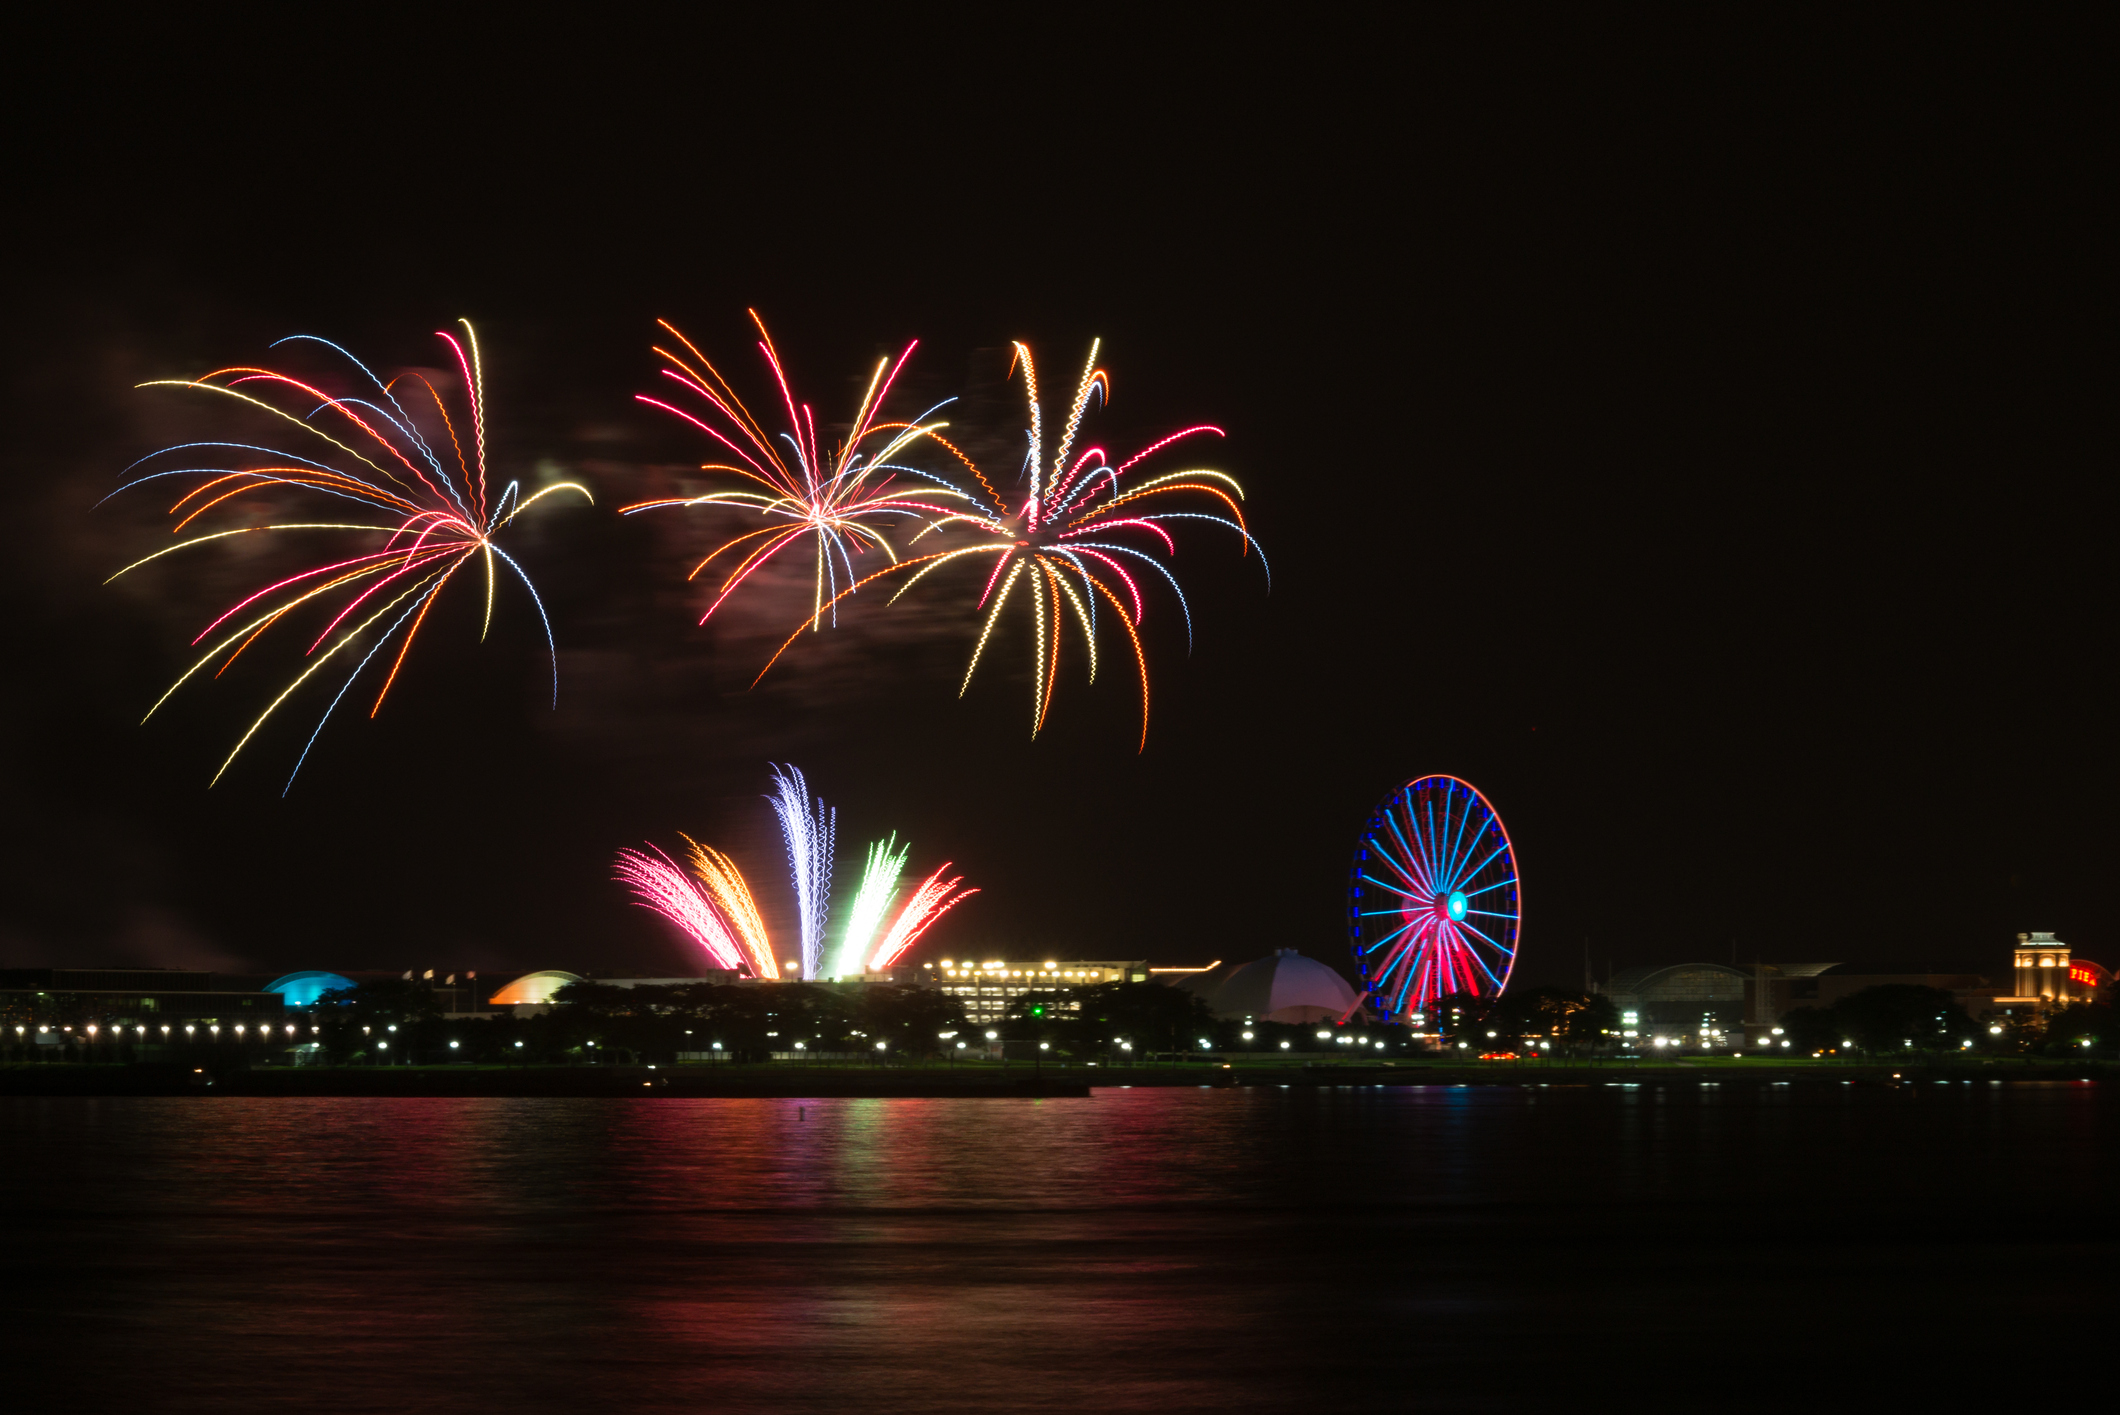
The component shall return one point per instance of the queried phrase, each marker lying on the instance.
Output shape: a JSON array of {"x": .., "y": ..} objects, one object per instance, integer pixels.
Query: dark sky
[{"x": 1689, "y": 435}]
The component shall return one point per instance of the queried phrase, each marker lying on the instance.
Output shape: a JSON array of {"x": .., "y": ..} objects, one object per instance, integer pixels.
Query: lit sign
[{"x": 2081, "y": 974}]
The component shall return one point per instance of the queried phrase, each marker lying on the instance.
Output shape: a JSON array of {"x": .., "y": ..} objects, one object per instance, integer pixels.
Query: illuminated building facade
[
  {"x": 143, "y": 1008},
  {"x": 1679, "y": 1004},
  {"x": 986, "y": 988},
  {"x": 2048, "y": 971}
]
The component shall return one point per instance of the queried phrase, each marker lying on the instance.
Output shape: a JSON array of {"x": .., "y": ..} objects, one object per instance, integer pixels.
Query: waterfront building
[
  {"x": 303, "y": 989},
  {"x": 2049, "y": 973},
  {"x": 131, "y": 996},
  {"x": 532, "y": 993},
  {"x": 986, "y": 988},
  {"x": 140, "y": 1007},
  {"x": 1696, "y": 1004}
]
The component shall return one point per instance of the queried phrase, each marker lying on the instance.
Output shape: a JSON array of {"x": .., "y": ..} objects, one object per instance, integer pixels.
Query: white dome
[{"x": 1284, "y": 987}]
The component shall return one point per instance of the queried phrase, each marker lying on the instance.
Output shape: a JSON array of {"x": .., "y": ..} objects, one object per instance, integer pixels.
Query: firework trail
[
  {"x": 934, "y": 898},
  {"x": 1077, "y": 540},
  {"x": 713, "y": 905},
  {"x": 837, "y": 498},
  {"x": 725, "y": 886},
  {"x": 670, "y": 892},
  {"x": 809, "y": 835},
  {"x": 879, "y": 887},
  {"x": 418, "y": 472}
]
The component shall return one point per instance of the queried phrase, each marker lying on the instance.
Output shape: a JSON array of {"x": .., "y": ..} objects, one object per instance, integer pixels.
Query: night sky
[{"x": 1688, "y": 436}]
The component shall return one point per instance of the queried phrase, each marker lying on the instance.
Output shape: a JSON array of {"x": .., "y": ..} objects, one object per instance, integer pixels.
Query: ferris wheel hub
[{"x": 1456, "y": 905}]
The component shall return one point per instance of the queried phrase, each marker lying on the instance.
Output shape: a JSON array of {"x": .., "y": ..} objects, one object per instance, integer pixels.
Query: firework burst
[
  {"x": 872, "y": 900},
  {"x": 724, "y": 884},
  {"x": 672, "y": 893},
  {"x": 809, "y": 830},
  {"x": 934, "y": 897},
  {"x": 839, "y": 498},
  {"x": 418, "y": 472},
  {"x": 716, "y": 909},
  {"x": 1075, "y": 544}
]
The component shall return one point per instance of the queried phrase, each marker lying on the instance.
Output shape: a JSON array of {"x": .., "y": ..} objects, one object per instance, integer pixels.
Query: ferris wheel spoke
[
  {"x": 1389, "y": 937},
  {"x": 1404, "y": 871},
  {"x": 1456, "y": 870},
  {"x": 1401, "y": 893},
  {"x": 1450, "y": 875},
  {"x": 1398, "y": 1004},
  {"x": 1413, "y": 856},
  {"x": 1459, "y": 857},
  {"x": 1490, "y": 858},
  {"x": 1490, "y": 914},
  {"x": 1476, "y": 893},
  {"x": 1470, "y": 956},
  {"x": 1475, "y": 929},
  {"x": 1394, "y": 959},
  {"x": 1433, "y": 853},
  {"x": 1474, "y": 952}
]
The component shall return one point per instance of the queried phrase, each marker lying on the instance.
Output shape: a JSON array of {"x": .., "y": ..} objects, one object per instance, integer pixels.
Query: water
[{"x": 1436, "y": 1248}]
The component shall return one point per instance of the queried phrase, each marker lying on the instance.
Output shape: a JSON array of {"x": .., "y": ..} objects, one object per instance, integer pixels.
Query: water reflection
[{"x": 1141, "y": 1250}]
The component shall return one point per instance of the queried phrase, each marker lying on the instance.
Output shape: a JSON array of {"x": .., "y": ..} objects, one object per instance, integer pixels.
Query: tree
[
  {"x": 1811, "y": 1029},
  {"x": 1152, "y": 1016},
  {"x": 910, "y": 1019},
  {"x": 2082, "y": 1029},
  {"x": 357, "y": 1021},
  {"x": 1577, "y": 1021},
  {"x": 1896, "y": 1017}
]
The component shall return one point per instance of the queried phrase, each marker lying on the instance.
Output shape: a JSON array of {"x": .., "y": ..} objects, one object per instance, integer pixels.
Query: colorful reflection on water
[{"x": 1400, "y": 1248}]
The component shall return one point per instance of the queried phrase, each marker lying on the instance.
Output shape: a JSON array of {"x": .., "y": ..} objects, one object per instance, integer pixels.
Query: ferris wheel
[{"x": 1434, "y": 901}]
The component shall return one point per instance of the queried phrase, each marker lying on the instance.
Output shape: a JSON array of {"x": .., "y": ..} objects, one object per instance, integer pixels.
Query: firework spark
[
  {"x": 809, "y": 835},
  {"x": 725, "y": 885},
  {"x": 1077, "y": 540},
  {"x": 934, "y": 898},
  {"x": 839, "y": 499},
  {"x": 670, "y": 892},
  {"x": 409, "y": 466},
  {"x": 879, "y": 887}
]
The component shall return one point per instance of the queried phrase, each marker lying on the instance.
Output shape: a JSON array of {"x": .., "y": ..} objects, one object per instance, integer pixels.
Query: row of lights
[
  {"x": 999, "y": 969},
  {"x": 190, "y": 1029}
]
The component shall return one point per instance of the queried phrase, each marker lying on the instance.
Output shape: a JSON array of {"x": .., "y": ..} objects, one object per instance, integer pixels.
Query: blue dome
[{"x": 303, "y": 989}]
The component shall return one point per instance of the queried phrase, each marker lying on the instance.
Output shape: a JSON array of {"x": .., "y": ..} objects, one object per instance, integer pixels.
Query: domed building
[
  {"x": 533, "y": 989},
  {"x": 303, "y": 989},
  {"x": 1284, "y": 986}
]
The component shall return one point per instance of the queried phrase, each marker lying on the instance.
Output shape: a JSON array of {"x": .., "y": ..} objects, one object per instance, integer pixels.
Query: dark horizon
[{"x": 1688, "y": 438}]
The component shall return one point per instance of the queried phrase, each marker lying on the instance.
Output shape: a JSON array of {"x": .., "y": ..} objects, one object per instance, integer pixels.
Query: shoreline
[{"x": 795, "y": 1080}]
